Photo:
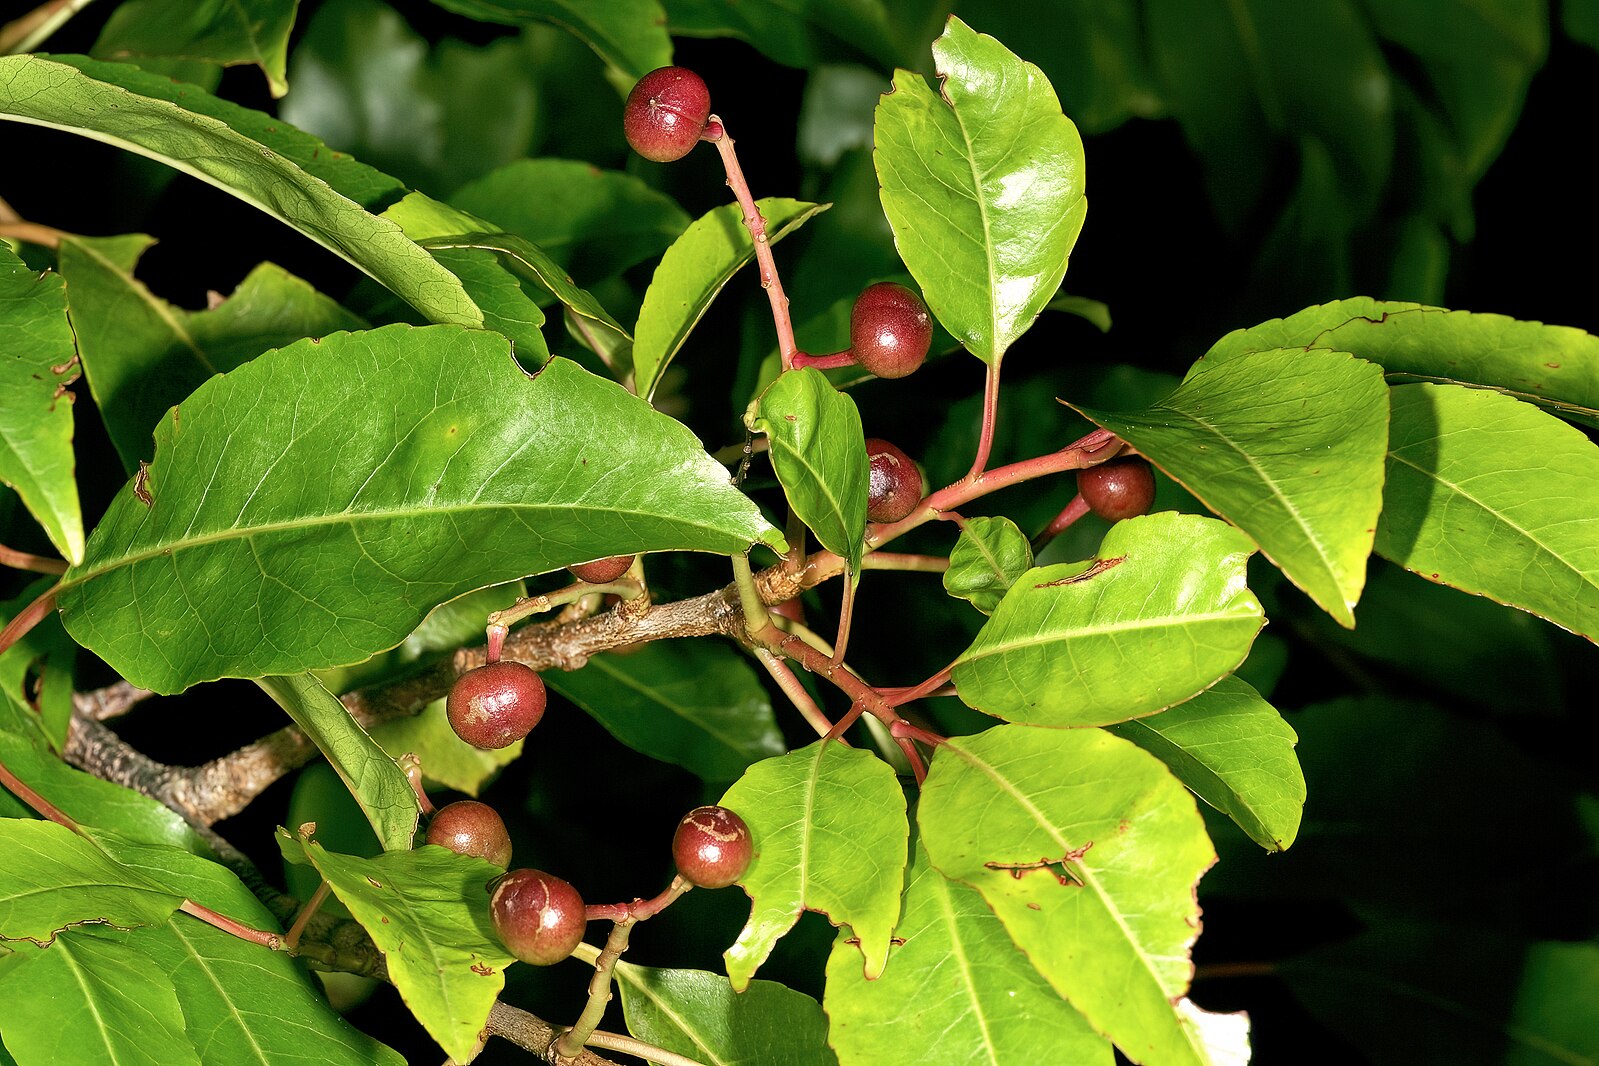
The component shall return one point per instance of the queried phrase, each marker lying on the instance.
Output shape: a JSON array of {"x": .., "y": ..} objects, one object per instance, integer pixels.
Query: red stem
[
  {"x": 27, "y": 618},
  {"x": 835, "y": 361},
  {"x": 39, "y": 564},
  {"x": 639, "y": 909},
  {"x": 716, "y": 132},
  {"x": 1061, "y": 522},
  {"x": 985, "y": 439},
  {"x": 790, "y": 684},
  {"x": 846, "y": 616},
  {"x": 270, "y": 941},
  {"x": 27, "y": 795}
]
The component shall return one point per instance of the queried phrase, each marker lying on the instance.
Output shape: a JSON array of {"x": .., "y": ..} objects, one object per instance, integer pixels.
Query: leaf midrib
[
  {"x": 626, "y": 973},
  {"x": 1169, "y": 622}
]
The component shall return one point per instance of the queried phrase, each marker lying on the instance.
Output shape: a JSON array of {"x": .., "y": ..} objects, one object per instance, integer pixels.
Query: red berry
[
  {"x": 712, "y": 847},
  {"x": 666, "y": 113},
  {"x": 495, "y": 705},
  {"x": 890, "y": 330},
  {"x": 1121, "y": 488},
  {"x": 894, "y": 486},
  {"x": 472, "y": 828},
  {"x": 539, "y": 917},
  {"x": 602, "y": 571}
]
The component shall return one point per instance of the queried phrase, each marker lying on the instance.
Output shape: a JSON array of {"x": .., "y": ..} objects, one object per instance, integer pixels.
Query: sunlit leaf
[
  {"x": 428, "y": 912},
  {"x": 693, "y": 270},
  {"x": 990, "y": 556},
  {"x": 124, "y": 106},
  {"x": 983, "y": 184},
  {"x": 225, "y": 32},
  {"x": 698, "y": 1014},
  {"x": 415, "y": 494},
  {"x": 830, "y": 835},
  {"x": 1288, "y": 446},
  {"x": 1089, "y": 851},
  {"x": 691, "y": 702},
  {"x": 819, "y": 453},
  {"x": 35, "y": 422},
  {"x": 54, "y": 878},
  {"x": 1236, "y": 753},
  {"x": 956, "y": 991},
  {"x": 1491, "y": 495},
  {"x": 1160, "y": 615}
]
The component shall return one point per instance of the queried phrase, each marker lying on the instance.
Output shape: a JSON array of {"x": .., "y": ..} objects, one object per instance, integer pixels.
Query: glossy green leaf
[
  {"x": 1235, "y": 752},
  {"x": 698, "y": 1014},
  {"x": 1110, "y": 921},
  {"x": 830, "y": 835},
  {"x": 1288, "y": 446},
  {"x": 1160, "y": 615},
  {"x": 1304, "y": 329},
  {"x": 376, "y": 782},
  {"x": 983, "y": 185},
  {"x": 1423, "y": 991},
  {"x": 593, "y": 222},
  {"x": 691, "y": 702},
  {"x": 798, "y": 33},
  {"x": 434, "y": 113},
  {"x": 693, "y": 271},
  {"x": 428, "y": 912},
  {"x": 990, "y": 556},
  {"x": 142, "y": 354},
  {"x": 956, "y": 991},
  {"x": 818, "y": 451},
  {"x": 123, "y": 106},
  {"x": 92, "y": 999},
  {"x": 36, "y": 676},
  {"x": 628, "y": 34},
  {"x": 35, "y": 423},
  {"x": 54, "y": 878},
  {"x": 414, "y": 494},
  {"x": 1490, "y": 495},
  {"x": 225, "y": 32}
]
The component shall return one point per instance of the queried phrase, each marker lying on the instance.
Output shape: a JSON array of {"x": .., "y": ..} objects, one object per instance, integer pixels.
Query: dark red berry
[
  {"x": 602, "y": 571},
  {"x": 666, "y": 113},
  {"x": 890, "y": 330},
  {"x": 1121, "y": 488},
  {"x": 495, "y": 705},
  {"x": 539, "y": 917},
  {"x": 712, "y": 847},
  {"x": 472, "y": 828},
  {"x": 894, "y": 487}
]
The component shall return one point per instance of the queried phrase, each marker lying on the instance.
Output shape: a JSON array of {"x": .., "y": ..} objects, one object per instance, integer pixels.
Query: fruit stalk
[{"x": 717, "y": 134}]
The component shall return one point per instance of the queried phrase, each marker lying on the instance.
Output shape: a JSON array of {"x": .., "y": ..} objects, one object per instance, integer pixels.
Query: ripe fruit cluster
[
  {"x": 495, "y": 705},
  {"x": 1120, "y": 488},
  {"x": 712, "y": 847}
]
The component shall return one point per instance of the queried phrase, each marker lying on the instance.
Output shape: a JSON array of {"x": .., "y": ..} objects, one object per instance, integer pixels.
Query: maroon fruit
[
  {"x": 472, "y": 828},
  {"x": 712, "y": 847},
  {"x": 1121, "y": 488},
  {"x": 602, "y": 571},
  {"x": 495, "y": 705},
  {"x": 666, "y": 113},
  {"x": 539, "y": 917},
  {"x": 894, "y": 486},
  {"x": 890, "y": 330}
]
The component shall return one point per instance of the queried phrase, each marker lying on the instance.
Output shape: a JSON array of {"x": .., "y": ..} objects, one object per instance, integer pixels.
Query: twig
[
  {"x": 716, "y": 133},
  {"x": 985, "y": 438},
  {"x": 112, "y": 701},
  {"x": 20, "y": 560},
  {"x": 628, "y": 1046},
  {"x": 790, "y": 684},
  {"x": 534, "y": 1034}
]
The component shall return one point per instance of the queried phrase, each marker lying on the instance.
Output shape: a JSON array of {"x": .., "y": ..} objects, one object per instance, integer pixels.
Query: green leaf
[
  {"x": 40, "y": 705},
  {"x": 991, "y": 555},
  {"x": 55, "y": 879},
  {"x": 691, "y": 702},
  {"x": 698, "y": 1014},
  {"x": 436, "y": 114},
  {"x": 1111, "y": 920},
  {"x": 125, "y": 107},
  {"x": 428, "y": 912},
  {"x": 983, "y": 185},
  {"x": 92, "y": 999},
  {"x": 818, "y": 450},
  {"x": 35, "y": 423},
  {"x": 1288, "y": 446},
  {"x": 693, "y": 271},
  {"x": 1235, "y": 752},
  {"x": 630, "y": 35},
  {"x": 416, "y": 494},
  {"x": 141, "y": 354},
  {"x": 1303, "y": 329},
  {"x": 830, "y": 835},
  {"x": 1166, "y": 593},
  {"x": 225, "y": 32},
  {"x": 376, "y": 782},
  {"x": 1580, "y": 20},
  {"x": 798, "y": 33},
  {"x": 956, "y": 991},
  {"x": 593, "y": 222},
  {"x": 1490, "y": 495},
  {"x": 1423, "y": 991}
]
